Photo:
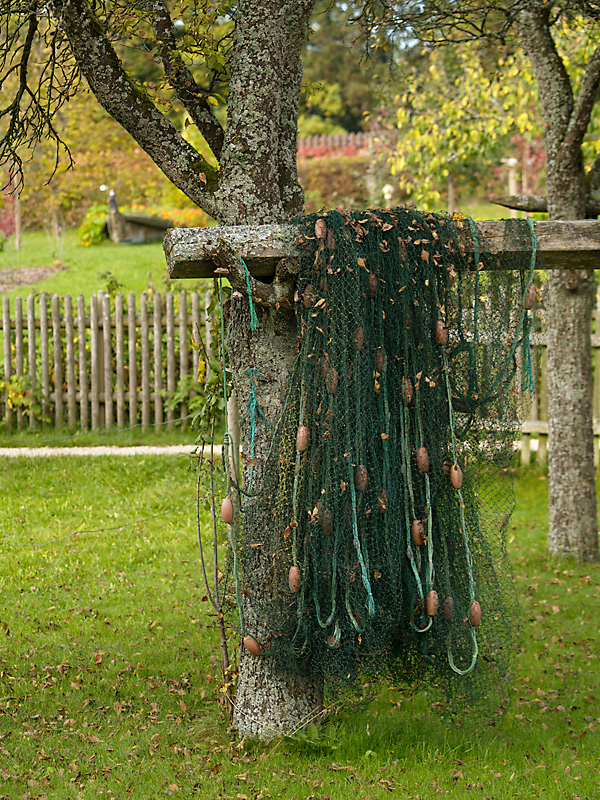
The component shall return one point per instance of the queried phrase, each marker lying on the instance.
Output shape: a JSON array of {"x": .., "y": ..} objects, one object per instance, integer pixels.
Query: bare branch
[
  {"x": 180, "y": 77},
  {"x": 534, "y": 203}
]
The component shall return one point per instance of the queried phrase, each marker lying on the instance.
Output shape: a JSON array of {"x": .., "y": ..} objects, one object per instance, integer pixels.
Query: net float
[
  {"x": 456, "y": 476},
  {"x": 359, "y": 338},
  {"x": 302, "y": 438},
  {"x": 407, "y": 390},
  {"x": 309, "y": 296},
  {"x": 294, "y": 579},
  {"x": 474, "y": 613},
  {"x": 432, "y": 602},
  {"x": 448, "y": 608},
  {"x": 417, "y": 531},
  {"x": 320, "y": 229},
  {"x": 331, "y": 379},
  {"x": 383, "y": 501},
  {"x": 361, "y": 477},
  {"x": 379, "y": 359},
  {"x": 422, "y": 459},
  {"x": 227, "y": 511},
  {"x": 530, "y": 297},
  {"x": 372, "y": 284},
  {"x": 327, "y": 521},
  {"x": 441, "y": 332},
  {"x": 251, "y": 645}
]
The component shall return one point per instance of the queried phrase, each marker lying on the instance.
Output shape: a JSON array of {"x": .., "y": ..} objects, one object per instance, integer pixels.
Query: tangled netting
[{"x": 387, "y": 487}]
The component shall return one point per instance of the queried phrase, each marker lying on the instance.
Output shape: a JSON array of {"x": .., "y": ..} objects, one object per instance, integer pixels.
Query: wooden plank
[
  {"x": 132, "y": 359},
  {"x": 170, "y": 357},
  {"x": 70, "y": 357},
  {"x": 83, "y": 378},
  {"x": 145, "y": 346},
  {"x": 183, "y": 353},
  {"x": 44, "y": 345},
  {"x": 191, "y": 252},
  {"x": 19, "y": 351},
  {"x": 120, "y": 360},
  {"x": 107, "y": 353},
  {"x": 95, "y": 363},
  {"x": 58, "y": 362},
  {"x": 31, "y": 352},
  {"x": 158, "y": 400},
  {"x": 8, "y": 415}
]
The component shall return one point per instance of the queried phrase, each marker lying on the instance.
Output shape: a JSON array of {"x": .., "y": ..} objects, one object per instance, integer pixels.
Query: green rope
[
  {"x": 253, "y": 317},
  {"x": 252, "y": 408}
]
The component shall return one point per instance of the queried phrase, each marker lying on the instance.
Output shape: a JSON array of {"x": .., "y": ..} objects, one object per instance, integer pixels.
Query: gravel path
[{"x": 102, "y": 450}]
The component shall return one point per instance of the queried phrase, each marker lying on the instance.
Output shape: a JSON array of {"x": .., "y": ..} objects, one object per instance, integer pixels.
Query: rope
[{"x": 253, "y": 317}]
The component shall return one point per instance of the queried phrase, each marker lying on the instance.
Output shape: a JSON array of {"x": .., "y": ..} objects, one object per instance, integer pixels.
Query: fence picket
[
  {"x": 95, "y": 365},
  {"x": 132, "y": 359},
  {"x": 44, "y": 347},
  {"x": 158, "y": 400},
  {"x": 7, "y": 360},
  {"x": 183, "y": 353},
  {"x": 83, "y": 382},
  {"x": 170, "y": 357},
  {"x": 119, "y": 360},
  {"x": 58, "y": 364},
  {"x": 19, "y": 351},
  {"x": 145, "y": 364},
  {"x": 31, "y": 366},
  {"x": 70, "y": 359}
]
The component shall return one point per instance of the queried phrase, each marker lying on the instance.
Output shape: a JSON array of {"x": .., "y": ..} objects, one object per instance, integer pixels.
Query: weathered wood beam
[
  {"x": 193, "y": 252},
  {"x": 538, "y": 202}
]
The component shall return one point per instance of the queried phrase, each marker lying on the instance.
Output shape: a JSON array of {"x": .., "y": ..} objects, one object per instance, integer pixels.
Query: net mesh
[{"x": 387, "y": 485}]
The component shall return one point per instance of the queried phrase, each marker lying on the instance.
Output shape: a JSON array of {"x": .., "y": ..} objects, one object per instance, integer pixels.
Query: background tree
[{"x": 567, "y": 93}]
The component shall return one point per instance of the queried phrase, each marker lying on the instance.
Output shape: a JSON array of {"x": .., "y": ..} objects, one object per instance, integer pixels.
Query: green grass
[
  {"x": 137, "y": 267},
  {"x": 113, "y": 437},
  {"x": 109, "y": 665}
]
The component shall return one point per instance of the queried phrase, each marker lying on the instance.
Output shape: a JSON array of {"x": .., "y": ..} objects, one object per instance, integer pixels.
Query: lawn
[
  {"x": 109, "y": 666},
  {"x": 79, "y": 270}
]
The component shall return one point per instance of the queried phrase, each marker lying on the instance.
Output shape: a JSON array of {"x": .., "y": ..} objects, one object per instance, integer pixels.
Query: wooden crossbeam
[{"x": 194, "y": 252}]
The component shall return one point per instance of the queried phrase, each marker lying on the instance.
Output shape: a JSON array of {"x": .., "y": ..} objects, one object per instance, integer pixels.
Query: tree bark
[
  {"x": 258, "y": 184},
  {"x": 571, "y": 478}
]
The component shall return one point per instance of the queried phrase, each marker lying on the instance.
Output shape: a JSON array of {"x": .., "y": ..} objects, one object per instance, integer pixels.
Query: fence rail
[{"x": 99, "y": 364}]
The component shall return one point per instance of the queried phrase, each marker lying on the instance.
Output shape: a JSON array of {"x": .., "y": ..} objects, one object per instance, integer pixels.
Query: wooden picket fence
[{"x": 102, "y": 363}]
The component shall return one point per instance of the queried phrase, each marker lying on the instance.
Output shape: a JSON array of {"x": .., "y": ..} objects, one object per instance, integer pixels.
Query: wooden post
[
  {"x": 44, "y": 343},
  {"x": 542, "y": 455},
  {"x": 70, "y": 354},
  {"x": 8, "y": 414},
  {"x": 31, "y": 353},
  {"x": 58, "y": 364},
  {"x": 196, "y": 332},
  {"x": 132, "y": 359},
  {"x": 158, "y": 400},
  {"x": 83, "y": 380},
  {"x": 120, "y": 360}
]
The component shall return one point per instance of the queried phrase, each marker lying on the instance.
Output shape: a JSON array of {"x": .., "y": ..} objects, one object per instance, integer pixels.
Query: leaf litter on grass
[{"x": 109, "y": 668}]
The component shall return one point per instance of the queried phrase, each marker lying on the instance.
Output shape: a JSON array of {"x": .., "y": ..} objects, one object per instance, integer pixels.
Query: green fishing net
[{"x": 388, "y": 485}]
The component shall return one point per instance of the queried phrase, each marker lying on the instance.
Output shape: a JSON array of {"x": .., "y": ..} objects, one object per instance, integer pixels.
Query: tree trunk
[
  {"x": 259, "y": 184},
  {"x": 571, "y": 478}
]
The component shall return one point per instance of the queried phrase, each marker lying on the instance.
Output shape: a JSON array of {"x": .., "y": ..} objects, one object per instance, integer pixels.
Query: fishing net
[{"x": 388, "y": 484}]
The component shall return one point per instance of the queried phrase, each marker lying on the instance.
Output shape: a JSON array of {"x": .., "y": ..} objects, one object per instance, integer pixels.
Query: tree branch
[
  {"x": 133, "y": 109},
  {"x": 584, "y": 104},
  {"x": 180, "y": 77},
  {"x": 534, "y": 203},
  {"x": 556, "y": 93}
]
